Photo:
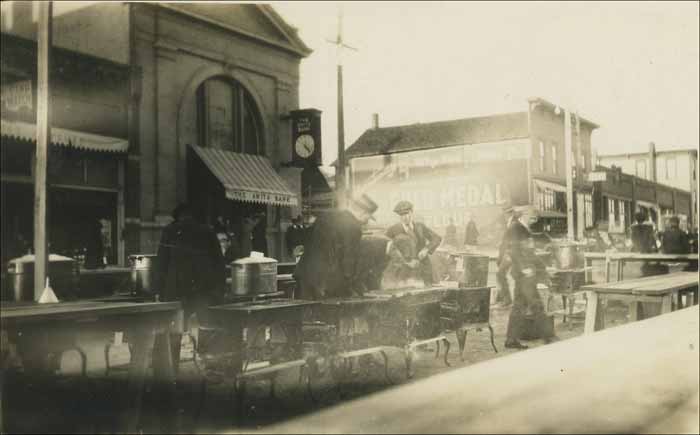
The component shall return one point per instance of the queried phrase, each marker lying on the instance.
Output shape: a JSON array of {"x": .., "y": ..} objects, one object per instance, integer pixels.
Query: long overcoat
[
  {"x": 190, "y": 266},
  {"x": 328, "y": 267}
]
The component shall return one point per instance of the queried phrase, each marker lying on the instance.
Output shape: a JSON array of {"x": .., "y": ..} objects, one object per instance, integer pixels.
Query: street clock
[{"x": 306, "y": 137}]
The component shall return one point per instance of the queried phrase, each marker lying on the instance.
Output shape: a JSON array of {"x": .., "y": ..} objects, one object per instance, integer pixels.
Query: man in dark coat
[
  {"x": 426, "y": 240},
  {"x": 674, "y": 240},
  {"x": 471, "y": 234},
  {"x": 642, "y": 235},
  {"x": 328, "y": 268},
  {"x": 190, "y": 269},
  {"x": 526, "y": 298}
]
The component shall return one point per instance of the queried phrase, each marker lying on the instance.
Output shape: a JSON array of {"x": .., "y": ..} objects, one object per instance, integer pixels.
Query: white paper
[{"x": 48, "y": 296}]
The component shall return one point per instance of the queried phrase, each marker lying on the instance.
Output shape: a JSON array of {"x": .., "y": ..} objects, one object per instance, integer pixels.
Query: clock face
[{"x": 304, "y": 146}]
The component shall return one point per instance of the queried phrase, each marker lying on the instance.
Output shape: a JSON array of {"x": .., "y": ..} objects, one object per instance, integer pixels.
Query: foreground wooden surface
[{"x": 637, "y": 378}]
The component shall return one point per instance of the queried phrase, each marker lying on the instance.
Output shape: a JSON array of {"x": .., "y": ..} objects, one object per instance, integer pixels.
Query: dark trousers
[
  {"x": 503, "y": 294},
  {"x": 526, "y": 302}
]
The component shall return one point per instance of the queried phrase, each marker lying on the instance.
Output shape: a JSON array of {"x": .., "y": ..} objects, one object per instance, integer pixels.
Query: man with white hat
[
  {"x": 426, "y": 240},
  {"x": 328, "y": 267}
]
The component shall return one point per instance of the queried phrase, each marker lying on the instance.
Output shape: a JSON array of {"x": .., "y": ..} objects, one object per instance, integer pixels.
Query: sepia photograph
[{"x": 349, "y": 217}]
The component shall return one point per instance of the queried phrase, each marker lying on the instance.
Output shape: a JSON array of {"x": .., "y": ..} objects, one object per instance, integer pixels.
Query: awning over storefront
[
  {"x": 61, "y": 136},
  {"x": 247, "y": 177},
  {"x": 542, "y": 184}
]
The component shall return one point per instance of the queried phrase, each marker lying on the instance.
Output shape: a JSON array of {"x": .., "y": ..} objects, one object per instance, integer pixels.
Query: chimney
[
  {"x": 652, "y": 162},
  {"x": 375, "y": 121}
]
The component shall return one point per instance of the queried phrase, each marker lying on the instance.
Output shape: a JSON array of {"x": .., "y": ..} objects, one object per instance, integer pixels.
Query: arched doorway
[{"x": 228, "y": 119}]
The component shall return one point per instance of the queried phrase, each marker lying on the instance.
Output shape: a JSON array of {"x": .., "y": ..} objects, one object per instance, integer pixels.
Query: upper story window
[
  {"x": 554, "y": 159},
  {"x": 670, "y": 168},
  {"x": 640, "y": 168},
  {"x": 542, "y": 164},
  {"x": 228, "y": 117}
]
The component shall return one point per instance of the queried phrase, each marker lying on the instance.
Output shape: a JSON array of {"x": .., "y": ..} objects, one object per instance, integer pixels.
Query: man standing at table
[
  {"x": 190, "y": 269},
  {"x": 426, "y": 240},
  {"x": 328, "y": 267}
]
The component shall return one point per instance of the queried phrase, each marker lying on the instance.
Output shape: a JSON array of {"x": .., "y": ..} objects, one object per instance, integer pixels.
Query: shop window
[
  {"x": 228, "y": 117},
  {"x": 16, "y": 157},
  {"x": 102, "y": 170}
]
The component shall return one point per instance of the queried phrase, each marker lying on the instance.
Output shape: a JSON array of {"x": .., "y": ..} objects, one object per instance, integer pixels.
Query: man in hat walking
[
  {"x": 328, "y": 267},
  {"x": 426, "y": 240}
]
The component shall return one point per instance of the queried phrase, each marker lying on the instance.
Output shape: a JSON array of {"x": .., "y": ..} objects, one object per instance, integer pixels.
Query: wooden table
[
  {"x": 42, "y": 329},
  {"x": 620, "y": 258},
  {"x": 637, "y": 378},
  {"x": 663, "y": 289}
]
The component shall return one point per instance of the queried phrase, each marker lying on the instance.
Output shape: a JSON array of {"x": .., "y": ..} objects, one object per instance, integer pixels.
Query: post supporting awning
[
  {"x": 62, "y": 136},
  {"x": 247, "y": 177}
]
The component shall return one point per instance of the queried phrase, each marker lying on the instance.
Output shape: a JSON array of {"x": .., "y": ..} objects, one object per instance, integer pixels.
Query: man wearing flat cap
[
  {"x": 426, "y": 240},
  {"x": 328, "y": 267}
]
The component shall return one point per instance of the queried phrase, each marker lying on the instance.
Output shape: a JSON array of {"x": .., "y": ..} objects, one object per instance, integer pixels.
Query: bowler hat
[
  {"x": 403, "y": 207},
  {"x": 365, "y": 203}
]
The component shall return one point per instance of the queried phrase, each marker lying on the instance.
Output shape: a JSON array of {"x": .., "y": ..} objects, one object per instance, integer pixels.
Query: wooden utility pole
[
  {"x": 43, "y": 138},
  {"x": 340, "y": 185},
  {"x": 569, "y": 176}
]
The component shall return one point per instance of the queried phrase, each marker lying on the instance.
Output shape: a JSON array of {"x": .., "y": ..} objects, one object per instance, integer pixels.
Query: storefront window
[{"x": 228, "y": 117}]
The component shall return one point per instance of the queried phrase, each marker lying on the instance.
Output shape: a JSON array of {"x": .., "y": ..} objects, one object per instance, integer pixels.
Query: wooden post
[
  {"x": 43, "y": 138},
  {"x": 340, "y": 169},
  {"x": 569, "y": 181}
]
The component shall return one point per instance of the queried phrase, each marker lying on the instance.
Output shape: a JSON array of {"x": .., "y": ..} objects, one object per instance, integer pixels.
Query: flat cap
[{"x": 403, "y": 207}]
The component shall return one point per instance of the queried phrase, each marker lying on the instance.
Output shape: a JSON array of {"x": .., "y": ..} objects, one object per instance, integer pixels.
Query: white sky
[{"x": 631, "y": 67}]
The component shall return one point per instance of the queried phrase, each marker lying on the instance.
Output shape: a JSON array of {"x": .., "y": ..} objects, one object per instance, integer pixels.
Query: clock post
[{"x": 306, "y": 137}]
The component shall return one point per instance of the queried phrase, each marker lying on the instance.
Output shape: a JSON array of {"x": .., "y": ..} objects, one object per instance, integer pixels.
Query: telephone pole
[
  {"x": 340, "y": 185},
  {"x": 43, "y": 139}
]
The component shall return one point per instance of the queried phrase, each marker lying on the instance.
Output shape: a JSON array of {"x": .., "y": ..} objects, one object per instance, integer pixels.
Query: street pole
[
  {"x": 340, "y": 182},
  {"x": 43, "y": 137},
  {"x": 569, "y": 182}
]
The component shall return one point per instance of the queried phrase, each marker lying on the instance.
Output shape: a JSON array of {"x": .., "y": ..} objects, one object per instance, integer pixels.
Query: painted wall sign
[{"x": 17, "y": 96}]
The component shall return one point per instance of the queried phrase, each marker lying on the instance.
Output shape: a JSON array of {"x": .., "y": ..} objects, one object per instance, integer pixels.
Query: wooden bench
[{"x": 664, "y": 289}]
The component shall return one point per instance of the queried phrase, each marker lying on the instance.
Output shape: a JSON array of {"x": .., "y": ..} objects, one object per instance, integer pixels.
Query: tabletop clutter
[{"x": 267, "y": 330}]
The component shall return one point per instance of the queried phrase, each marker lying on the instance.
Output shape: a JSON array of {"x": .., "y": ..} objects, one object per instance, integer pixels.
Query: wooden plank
[
  {"x": 541, "y": 390},
  {"x": 80, "y": 310},
  {"x": 637, "y": 256},
  {"x": 670, "y": 281}
]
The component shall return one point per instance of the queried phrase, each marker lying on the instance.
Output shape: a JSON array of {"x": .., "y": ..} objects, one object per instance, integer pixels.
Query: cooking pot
[
  {"x": 253, "y": 275},
  {"x": 63, "y": 273},
  {"x": 568, "y": 255},
  {"x": 143, "y": 269}
]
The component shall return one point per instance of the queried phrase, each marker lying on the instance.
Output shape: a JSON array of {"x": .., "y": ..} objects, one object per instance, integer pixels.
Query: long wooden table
[
  {"x": 664, "y": 289},
  {"x": 630, "y": 379},
  {"x": 39, "y": 330},
  {"x": 620, "y": 258}
]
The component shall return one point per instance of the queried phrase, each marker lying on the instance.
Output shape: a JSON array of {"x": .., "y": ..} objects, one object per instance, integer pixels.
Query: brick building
[{"x": 208, "y": 95}]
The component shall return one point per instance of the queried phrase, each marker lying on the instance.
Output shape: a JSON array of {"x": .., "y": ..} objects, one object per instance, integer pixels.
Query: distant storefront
[{"x": 87, "y": 153}]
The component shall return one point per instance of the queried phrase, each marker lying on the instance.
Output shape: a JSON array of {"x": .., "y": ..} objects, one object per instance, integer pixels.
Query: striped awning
[
  {"x": 247, "y": 177},
  {"x": 62, "y": 136}
]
